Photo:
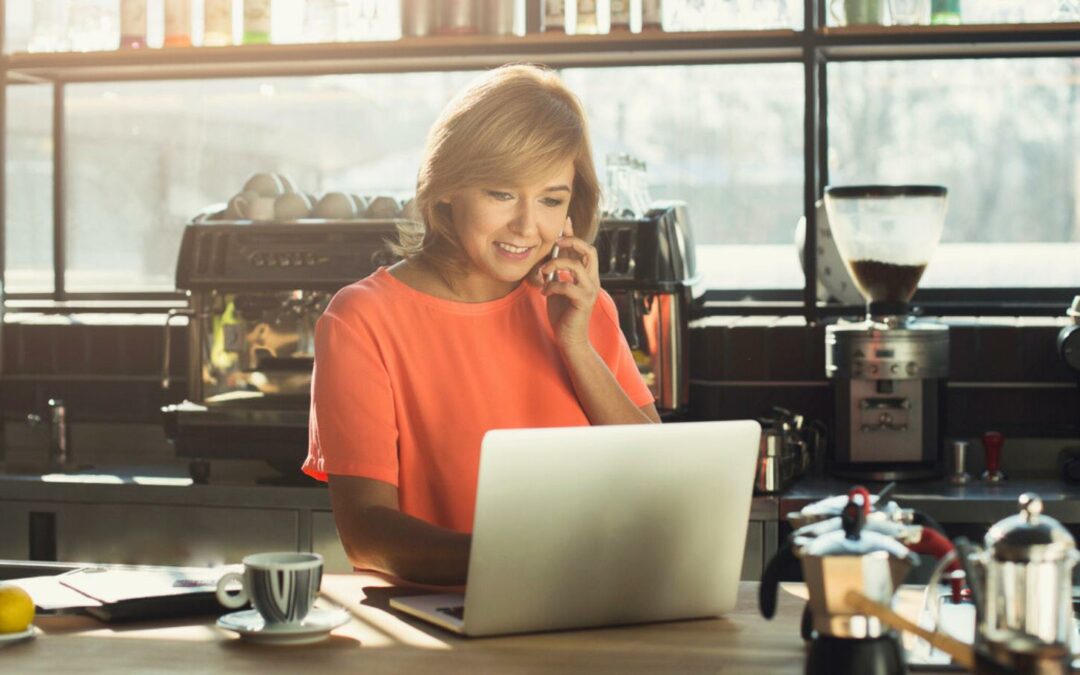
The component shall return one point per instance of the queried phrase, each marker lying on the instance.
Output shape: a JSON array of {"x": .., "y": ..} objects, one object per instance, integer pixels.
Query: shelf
[
  {"x": 862, "y": 43},
  {"x": 407, "y": 54}
]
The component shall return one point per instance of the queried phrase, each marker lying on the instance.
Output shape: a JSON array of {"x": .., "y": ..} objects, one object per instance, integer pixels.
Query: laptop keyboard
[{"x": 456, "y": 612}]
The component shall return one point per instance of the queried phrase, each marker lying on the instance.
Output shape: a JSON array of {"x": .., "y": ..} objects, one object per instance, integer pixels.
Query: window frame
[{"x": 814, "y": 46}]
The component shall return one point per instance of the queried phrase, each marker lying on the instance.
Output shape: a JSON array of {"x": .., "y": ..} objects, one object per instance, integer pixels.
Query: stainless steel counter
[
  {"x": 977, "y": 502},
  {"x": 154, "y": 485}
]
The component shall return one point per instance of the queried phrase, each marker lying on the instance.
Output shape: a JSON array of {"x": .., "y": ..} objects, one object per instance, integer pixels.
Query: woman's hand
[{"x": 572, "y": 291}]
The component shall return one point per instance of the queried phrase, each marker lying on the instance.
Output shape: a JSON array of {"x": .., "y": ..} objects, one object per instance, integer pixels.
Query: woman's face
[{"x": 506, "y": 229}]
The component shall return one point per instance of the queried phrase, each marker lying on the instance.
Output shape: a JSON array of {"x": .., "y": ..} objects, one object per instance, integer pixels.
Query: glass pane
[
  {"x": 945, "y": 12},
  {"x": 29, "y": 255},
  {"x": 725, "y": 139},
  {"x": 1002, "y": 135},
  {"x": 144, "y": 158}
]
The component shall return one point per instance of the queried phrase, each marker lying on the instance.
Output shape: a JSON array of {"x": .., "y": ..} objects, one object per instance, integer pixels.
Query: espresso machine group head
[{"x": 889, "y": 369}]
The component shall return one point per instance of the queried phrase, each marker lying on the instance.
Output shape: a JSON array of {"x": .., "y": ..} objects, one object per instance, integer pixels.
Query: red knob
[
  {"x": 862, "y": 492},
  {"x": 956, "y": 585},
  {"x": 992, "y": 443}
]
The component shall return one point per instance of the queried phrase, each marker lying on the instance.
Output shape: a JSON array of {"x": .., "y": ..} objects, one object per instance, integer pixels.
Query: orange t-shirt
[{"x": 406, "y": 385}]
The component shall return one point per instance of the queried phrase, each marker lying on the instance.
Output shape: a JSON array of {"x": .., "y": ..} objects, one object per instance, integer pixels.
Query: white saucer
[
  {"x": 9, "y": 638},
  {"x": 316, "y": 626}
]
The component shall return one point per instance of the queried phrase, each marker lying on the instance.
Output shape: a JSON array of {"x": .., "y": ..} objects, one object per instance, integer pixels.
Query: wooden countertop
[{"x": 379, "y": 640}]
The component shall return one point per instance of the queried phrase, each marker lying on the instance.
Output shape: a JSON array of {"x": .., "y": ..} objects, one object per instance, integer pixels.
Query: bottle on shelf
[
  {"x": 177, "y": 23},
  {"x": 945, "y": 12},
  {"x": 256, "y": 22},
  {"x": 132, "y": 24},
  {"x": 418, "y": 17},
  {"x": 554, "y": 16},
  {"x": 457, "y": 17},
  {"x": 588, "y": 18},
  {"x": 620, "y": 16},
  {"x": 217, "y": 23},
  {"x": 651, "y": 14},
  {"x": 498, "y": 17}
]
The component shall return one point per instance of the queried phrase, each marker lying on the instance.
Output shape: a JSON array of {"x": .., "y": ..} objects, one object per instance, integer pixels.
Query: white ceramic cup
[
  {"x": 282, "y": 587},
  {"x": 267, "y": 184},
  {"x": 251, "y": 205},
  {"x": 292, "y": 206},
  {"x": 383, "y": 207},
  {"x": 360, "y": 202},
  {"x": 335, "y": 206}
]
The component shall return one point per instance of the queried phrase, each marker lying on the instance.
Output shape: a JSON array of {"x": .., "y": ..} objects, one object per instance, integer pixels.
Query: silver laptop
[{"x": 604, "y": 525}]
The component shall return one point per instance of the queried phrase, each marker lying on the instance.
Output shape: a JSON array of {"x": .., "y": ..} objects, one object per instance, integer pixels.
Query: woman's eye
[
  {"x": 551, "y": 201},
  {"x": 500, "y": 196}
]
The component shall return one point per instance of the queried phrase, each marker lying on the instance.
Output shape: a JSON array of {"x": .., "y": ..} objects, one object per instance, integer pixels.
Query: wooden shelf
[
  {"x": 407, "y": 54},
  {"x": 554, "y": 49},
  {"x": 852, "y": 43}
]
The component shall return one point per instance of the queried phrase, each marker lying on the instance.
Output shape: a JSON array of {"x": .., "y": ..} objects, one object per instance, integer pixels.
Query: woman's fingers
[
  {"x": 582, "y": 251},
  {"x": 572, "y": 291},
  {"x": 577, "y": 269}
]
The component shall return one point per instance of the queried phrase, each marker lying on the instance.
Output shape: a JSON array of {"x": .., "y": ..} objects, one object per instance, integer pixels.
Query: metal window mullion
[
  {"x": 59, "y": 290},
  {"x": 823, "y": 125},
  {"x": 3, "y": 176},
  {"x": 812, "y": 71},
  {"x": 3, "y": 162}
]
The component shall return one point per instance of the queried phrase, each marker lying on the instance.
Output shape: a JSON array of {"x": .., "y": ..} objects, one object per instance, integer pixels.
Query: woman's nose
[{"x": 526, "y": 220}]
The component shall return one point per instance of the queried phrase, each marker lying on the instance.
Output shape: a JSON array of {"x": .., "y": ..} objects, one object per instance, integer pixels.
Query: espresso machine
[
  {"x": 888, "y": 370},
  {"x": 258, "y": 289},
  {"x": 256, "y": 292},
  {"x": 647, "y": 265}
]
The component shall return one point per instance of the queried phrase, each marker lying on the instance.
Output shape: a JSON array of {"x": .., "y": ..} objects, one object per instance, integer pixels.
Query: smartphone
[{"x": 554, "y": 254}]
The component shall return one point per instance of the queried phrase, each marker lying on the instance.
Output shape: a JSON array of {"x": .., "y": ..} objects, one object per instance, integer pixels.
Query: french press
[{"x": 1025, "y": 589}]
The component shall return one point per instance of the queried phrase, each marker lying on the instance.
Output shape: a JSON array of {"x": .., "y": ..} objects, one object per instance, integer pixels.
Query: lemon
[{"x": 16, "y": 609}]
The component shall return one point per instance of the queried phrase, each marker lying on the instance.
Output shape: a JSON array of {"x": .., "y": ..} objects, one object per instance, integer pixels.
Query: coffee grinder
[{"x": 888, "y": 370}]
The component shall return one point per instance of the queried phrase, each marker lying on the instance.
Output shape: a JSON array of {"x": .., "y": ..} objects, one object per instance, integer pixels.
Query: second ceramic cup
[
  {"x": 292, "y": 206},
  {"x": 268, "y": 184},
  {"x": 335, "y": 206},
  {"x": 250, "y": 205}
]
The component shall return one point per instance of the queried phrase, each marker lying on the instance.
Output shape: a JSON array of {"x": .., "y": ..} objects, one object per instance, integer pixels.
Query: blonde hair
[{"x": 515, "y": 124}]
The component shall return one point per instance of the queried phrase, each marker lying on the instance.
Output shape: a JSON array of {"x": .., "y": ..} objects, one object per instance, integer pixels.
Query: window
[
  {"x": 725, "y": 139},
  {"x": 28, "y": 190},
  {"x": 143, "y": 158},
  {"x": 1003, "y": 135}
]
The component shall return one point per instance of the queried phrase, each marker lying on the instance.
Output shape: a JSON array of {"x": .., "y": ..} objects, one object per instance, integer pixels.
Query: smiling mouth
[{"x": 516, "y": 250}]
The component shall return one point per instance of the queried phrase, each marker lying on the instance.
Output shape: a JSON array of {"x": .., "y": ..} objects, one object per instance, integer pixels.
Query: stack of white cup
[{"x": 273, "y": 197}]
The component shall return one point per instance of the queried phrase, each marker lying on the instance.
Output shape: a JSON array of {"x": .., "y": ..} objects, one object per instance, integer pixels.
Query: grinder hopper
[{"x": 886, "y": 235}]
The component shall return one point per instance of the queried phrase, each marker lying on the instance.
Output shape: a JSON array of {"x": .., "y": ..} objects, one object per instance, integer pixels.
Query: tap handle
[{"x": 993, "y": 442}]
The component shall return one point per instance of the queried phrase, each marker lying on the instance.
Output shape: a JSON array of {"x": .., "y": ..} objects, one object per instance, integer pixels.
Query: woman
[{"x": 481, "y": 326}]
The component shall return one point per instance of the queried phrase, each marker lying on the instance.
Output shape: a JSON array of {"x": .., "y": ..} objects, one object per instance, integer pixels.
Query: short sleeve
[
  {"x": 608, "y": 340},
  {"x": 352, "y": 429}
]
